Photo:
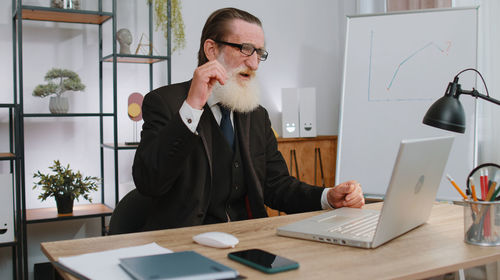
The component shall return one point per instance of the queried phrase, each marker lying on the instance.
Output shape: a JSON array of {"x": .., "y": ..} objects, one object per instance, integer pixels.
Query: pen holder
[{"x": 482, "y": 222}]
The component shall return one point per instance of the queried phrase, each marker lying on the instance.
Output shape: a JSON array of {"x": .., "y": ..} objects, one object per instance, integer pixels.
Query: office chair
[{"x": 130, "y": 213}]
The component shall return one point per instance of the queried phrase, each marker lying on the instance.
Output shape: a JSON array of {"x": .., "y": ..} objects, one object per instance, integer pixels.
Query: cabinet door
[{"x": 312, "y": 160}]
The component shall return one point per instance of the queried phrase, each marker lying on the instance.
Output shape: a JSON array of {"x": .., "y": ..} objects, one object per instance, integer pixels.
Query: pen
[
  {"x": 473, "y": 188},
  {"x": 456, "y": 187}
]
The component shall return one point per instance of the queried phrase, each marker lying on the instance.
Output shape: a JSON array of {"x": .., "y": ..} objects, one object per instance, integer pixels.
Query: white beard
[{"x": 237, "y": 95}]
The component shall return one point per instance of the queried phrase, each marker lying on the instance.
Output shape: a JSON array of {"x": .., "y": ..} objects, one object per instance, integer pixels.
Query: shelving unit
[
  {"x": 14, "y": 161},
  {"x": 148, "y": 60},
  {"x": 22, "y": 12}
]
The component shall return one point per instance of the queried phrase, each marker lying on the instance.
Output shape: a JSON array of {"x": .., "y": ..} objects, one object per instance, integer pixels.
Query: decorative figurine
[{"x": 124, "y": 38}]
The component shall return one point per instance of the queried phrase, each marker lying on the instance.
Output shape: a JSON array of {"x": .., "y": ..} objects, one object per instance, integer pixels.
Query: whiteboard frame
[{"x": 341, "y": 109}]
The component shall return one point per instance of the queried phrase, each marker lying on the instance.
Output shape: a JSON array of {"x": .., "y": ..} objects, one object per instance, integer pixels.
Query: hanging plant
[{"x": 160, "y": 7}]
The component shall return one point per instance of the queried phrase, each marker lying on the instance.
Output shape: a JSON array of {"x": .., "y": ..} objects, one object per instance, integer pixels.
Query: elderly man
[{"x": 208, "y": 153}]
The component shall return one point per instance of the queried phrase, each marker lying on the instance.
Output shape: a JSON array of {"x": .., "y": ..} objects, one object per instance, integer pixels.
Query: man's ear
[{"x": 211, "y": 49}]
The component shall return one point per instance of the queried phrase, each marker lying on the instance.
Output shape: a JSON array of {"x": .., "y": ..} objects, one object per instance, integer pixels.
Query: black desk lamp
[{"x": 447, "y": 112}]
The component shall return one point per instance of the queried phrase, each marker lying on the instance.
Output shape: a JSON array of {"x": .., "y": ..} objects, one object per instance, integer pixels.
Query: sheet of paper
[{"x": 105, "y": 265}]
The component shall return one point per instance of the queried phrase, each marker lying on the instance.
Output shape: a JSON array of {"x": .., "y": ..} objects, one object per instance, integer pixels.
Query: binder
[{"x": 178, "y": 265}]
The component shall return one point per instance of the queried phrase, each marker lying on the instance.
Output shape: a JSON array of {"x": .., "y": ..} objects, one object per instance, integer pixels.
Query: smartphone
[{"x": 263, "y": 261}]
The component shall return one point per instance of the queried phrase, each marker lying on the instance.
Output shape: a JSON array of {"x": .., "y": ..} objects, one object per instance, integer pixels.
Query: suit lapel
[
  {"x": 243, "y": 129},
  {"x": 205, "y": 131},
  {"x": 242, "y": 122}
]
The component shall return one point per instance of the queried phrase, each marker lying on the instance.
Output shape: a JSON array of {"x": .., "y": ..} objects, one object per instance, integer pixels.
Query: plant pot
[
  {"x": 64, "y": 204},
  {"x": 58, "y": 105}
]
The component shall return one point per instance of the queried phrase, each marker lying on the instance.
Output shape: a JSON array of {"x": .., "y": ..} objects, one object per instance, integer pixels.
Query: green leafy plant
[
  {"x": 64, "y": 80},
  {"x": 177, "y": 23},
  {"x": 65, "y": 182}
]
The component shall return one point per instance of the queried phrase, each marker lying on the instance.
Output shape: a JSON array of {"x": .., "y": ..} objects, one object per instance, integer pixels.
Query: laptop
[{"x": 408, "y": 201}]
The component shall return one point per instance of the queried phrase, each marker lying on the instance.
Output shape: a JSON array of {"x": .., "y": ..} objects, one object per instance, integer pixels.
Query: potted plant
[
  {"x": 65, "y": 185},
  {"x": 64, "y": 80},
  {"x": 177, "y": 23}
]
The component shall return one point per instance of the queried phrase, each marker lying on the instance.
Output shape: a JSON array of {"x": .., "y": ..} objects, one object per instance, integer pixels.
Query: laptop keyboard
[{"x": 364, "y": 227}]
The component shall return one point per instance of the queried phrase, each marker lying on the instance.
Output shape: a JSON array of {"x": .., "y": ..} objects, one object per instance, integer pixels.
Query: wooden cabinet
[{"x": 312, "y": 160}]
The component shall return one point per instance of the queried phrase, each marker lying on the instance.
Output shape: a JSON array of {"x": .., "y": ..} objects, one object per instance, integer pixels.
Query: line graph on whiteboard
[{"x": 395, "y": 77}]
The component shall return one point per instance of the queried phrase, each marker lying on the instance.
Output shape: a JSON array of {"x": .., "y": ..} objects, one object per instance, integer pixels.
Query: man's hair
[{"x": 217, "y": 27}]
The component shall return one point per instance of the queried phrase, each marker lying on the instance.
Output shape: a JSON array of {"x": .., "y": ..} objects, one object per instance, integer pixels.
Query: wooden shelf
[
  {"x": 304, "y": 139},
  {"x": 121, "y": 146},
  {"x": 7, "y": 156},
  {"x": 66, "y": 115},
  {"x": 8, "y": 244},
  {"x": 40, "y": 215},
  {"x": 132, "y": 58},
  {"x": 62, "y": 15}
]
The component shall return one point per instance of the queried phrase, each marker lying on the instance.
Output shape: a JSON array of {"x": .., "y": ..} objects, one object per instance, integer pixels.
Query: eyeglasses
[{"x": 247, "y": 49}]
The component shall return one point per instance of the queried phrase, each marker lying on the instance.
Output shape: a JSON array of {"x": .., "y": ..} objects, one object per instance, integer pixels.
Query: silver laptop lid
[{"x": 417, "y": 173}]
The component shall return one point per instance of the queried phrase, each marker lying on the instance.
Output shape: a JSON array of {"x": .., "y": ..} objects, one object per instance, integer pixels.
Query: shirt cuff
[
  {"x": 190, "y": 116},
  {"x": 324, "y": 200}
]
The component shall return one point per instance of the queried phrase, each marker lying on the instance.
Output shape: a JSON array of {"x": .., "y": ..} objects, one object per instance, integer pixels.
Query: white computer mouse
[{"x": 216, "y": 239}]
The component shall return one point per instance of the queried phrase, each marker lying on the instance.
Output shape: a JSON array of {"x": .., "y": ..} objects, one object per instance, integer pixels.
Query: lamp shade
[{"x": 446, "y": 113}]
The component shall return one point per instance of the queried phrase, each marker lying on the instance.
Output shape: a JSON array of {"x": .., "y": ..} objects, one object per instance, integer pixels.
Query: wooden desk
[{"x": 432, "y": 249}]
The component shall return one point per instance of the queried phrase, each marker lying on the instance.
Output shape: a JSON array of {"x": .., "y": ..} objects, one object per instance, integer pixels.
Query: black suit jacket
[{"x": 174, "y": 165}]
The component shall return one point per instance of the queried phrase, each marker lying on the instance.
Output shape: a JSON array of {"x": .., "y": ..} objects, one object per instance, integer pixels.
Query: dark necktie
[{"x": 226, "y": 126}]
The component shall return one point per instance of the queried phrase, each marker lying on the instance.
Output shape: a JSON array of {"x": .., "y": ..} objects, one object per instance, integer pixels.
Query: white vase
[{"x": 58, "y": 105}]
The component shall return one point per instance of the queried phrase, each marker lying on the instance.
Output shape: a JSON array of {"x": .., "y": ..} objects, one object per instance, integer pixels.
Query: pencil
[
  {"x": 474, "y": 196},
  {"x": 491, "y": 193},
  {"x": 487, "y": 218},
  {"x": 473, "y": 188},
  {"x": 456, "y": 187},
  {"x": 495, "y": 194},
  {"x": 482, "y": 184},
  {"x": 486, "y": 184}
]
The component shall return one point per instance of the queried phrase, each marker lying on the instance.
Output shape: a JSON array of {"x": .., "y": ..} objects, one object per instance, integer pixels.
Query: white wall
[
  {"x": 305, "y": 40},
  {"x": 488, "y": 131}
]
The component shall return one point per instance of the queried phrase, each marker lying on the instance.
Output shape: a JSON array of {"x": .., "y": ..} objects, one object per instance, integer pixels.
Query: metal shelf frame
[
  {"x": 149, "y": 60},
  {"x": 14, "y": 161},
  {"x": 21, "y": 13}
]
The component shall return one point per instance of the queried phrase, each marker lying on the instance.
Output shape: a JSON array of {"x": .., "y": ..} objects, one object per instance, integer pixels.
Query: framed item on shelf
[{"x": 135, "y": 114}]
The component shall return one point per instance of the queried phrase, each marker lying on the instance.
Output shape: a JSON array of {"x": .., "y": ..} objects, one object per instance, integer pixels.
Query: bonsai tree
[
  {"x": 65, "y": 182},
  {"x": 64, "y": 80}
]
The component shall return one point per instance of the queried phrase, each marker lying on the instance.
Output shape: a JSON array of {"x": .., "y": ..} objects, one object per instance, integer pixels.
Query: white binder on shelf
[{"x": 6, "y": 209}]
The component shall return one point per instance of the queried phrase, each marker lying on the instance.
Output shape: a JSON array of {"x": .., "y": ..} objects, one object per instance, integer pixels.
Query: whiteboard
[{"x": 395, "y": 66}]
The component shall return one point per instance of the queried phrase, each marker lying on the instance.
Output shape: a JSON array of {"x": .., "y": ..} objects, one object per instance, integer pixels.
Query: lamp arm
[{"x": 476, "y": 94}]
